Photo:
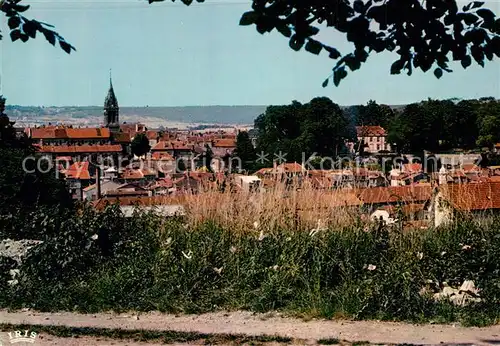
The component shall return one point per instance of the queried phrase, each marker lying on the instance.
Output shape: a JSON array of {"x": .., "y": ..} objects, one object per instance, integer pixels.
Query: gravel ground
[{"x": 268, "y": 324}]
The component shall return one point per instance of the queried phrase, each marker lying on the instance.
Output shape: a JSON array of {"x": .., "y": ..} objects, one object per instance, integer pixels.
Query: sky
[{"x": 168, "y": 54}]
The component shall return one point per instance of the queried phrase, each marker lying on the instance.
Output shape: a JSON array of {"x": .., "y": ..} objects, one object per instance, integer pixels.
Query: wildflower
[
  {"x": 420, "y": 255},
  {"x": 261, "y": 235},
  {"x": 256, "y": 225},
  {"x": 94, "y": 237},
  {"x": 233, "y": 249},
  {"x": 366, "y": 229},
  {"x": 313, "y": 232},
  {"x": 371, "y": 267},
  {"x": 466, "y": 247},
  {"x": 218, "y": 270},
  {"x": 319, "y": 227},
  {"x": 189, "y": 255},
  {"x": 168, "y": 241},
  {"x": 288, "y": 239},
  {"x": 274, "y": 267},
  {"x": 443, "y": 253}
]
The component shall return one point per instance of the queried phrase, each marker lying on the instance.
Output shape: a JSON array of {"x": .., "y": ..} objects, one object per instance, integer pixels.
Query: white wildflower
[
  {"x": 443, "y": 253},
  {"x": 94, "y": 237},
  {"x": 274, "y": 267},
  {"x": 233, "y": 249},
  {"x": 261, "y": 235},
  {"x": 288, "y": 239},
  {"x": 466, "y": 247},
  {"x": 313, "y": 232},
  {"x": 218, "y": 270},
  {"x": 371, "y": 267},
  {"x": 168, "y": 241},
  {"x": 256, "y": 225},
  {"x": 420, "y": 255},
  {"x": 189, "y": 255}
]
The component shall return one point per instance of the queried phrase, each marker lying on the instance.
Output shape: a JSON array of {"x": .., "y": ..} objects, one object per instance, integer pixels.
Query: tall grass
[
  {"x": 282, "y": 206},
  {"x": 256, "y": 252},
  {"x": 349, "y": 272}
]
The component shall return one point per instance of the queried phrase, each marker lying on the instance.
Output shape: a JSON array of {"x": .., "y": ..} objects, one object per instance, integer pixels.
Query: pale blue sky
[{"x": 168, "y": 54}]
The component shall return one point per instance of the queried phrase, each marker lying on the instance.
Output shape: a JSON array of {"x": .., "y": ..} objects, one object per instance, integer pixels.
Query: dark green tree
[
  {"x": 23, "y": 28},
  {"x": 181, "y": 166},
  {"x": 300, "y": 130},
  {"x": 460, "y": 128},
  {"x": 140, "y": 145},
  {"x": 373, "y": 114},
  {"x": 245, "y": 150},
  {"x": 27, "y": 181},
  {"x": 488, "y": 118},
  {"x": 208, "y": 156}
]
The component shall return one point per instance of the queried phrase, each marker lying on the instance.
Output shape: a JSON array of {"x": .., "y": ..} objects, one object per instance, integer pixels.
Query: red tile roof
[
  {"x": 224, "y": 143},
  {"x": 412, "y": 167},
  {"x": 141, "y": 201},
  {"x": 77, "y": 149},
  {"x": 151, "y": 134},
  {"x": 131, "y": 174},
  {"x": 470, "y": 167},
  {"x": 370, "y": 131},
  {"x": 162, "y": 183},
  {"x": 83, "y": 133},
  {"x": 476, "y": 196},
  {"x": 393, "y": 194},
  {"x": 291, "y": 167},
  {"x": 162, "y": 156},
  {"x": 121, "y": 137},
  {"x": 70, "y": 133},
  {"x": 263, "y": 171},
  {"x": 78, "y": 170},
  {"x": 162, "y": 145}
]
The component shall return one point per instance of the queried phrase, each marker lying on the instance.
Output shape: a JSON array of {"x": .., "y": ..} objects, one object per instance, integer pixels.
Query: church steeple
[{"x": 111, "y": 109}]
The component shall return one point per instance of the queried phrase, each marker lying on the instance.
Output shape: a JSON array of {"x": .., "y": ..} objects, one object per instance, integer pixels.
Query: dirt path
[{"x": 255, "y": 324}]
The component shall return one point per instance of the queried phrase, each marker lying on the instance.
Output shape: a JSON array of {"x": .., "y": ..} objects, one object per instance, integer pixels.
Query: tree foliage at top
[
  {"x": 373, "y": 114},
  {"x": 23, "y": 28},
  {"x": 423, "y": 34}
]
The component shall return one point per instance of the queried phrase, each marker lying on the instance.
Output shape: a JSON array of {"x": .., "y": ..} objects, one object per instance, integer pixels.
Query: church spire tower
[{"x": 111, "y": 109}]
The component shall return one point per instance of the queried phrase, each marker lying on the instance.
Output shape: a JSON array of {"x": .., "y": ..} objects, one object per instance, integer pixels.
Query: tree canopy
[
  {"x": 140, "y": 145},
  {"x": 245, "y": 150},
  {"x": 26, "y": 184},
  {"x": 319, "y": 126},
  {"x": 424, "y": 35},
  {"x": 437, "y": 125}
]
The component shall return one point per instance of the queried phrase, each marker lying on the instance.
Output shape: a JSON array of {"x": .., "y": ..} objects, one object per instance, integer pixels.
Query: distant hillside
[
  {"x": 191, "y": 114},
  {"x": 236, "y": 115}
]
